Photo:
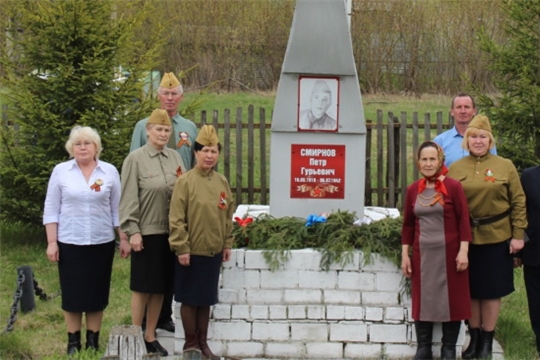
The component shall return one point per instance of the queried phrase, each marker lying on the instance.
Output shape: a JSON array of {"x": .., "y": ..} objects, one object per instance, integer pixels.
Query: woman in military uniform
[
  {"x": 200, "y": 235},
  {"x": 498, "y": 219},
  {"x": 148, "y": 177}
]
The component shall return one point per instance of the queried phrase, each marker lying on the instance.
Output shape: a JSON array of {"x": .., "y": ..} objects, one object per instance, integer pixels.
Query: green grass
[{"x": 41, "y": 333}]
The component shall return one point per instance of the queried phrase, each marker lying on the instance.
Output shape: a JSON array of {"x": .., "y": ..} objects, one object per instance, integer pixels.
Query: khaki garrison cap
[
  {"x": 169, "y": 81},
  {"x": 159, "y": 117},
  {"x": 207, "y": 136},
  {"x": 480, "y": 122}
]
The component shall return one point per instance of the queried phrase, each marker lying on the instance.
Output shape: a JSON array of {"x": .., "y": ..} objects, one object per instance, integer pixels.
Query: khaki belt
[{"x": 488, "y": 220}]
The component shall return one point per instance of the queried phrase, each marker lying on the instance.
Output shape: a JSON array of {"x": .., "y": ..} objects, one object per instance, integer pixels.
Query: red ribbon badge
[
  {"x": 243, "y": 222},
  {"x": 222, "y": 201},
  {"x": 184, "y": 139},
  {"x": 489, "y": 176},
  {"x": 178, "y": 171},
  {"x": 96, "y": 186}
]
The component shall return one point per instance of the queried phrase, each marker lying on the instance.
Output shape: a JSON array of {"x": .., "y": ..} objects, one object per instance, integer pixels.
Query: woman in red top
[{"x": 436, "y": 226}]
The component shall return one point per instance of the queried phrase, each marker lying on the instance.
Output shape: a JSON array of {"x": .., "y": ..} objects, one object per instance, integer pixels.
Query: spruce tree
[
  {"x": 64, "y": 65},
  {"x": 515, "y": 110}
]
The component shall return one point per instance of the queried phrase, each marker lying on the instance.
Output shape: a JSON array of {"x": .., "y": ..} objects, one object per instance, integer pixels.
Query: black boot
[
  {"x": 486, "y": 345},
  {"x": 449, "y": 339},
  {"x": 92, "y": 339},
  {"x": 424, "y": 335},
  {"x": 74, "y": 342},
  {"x": 474, "y": 343}
]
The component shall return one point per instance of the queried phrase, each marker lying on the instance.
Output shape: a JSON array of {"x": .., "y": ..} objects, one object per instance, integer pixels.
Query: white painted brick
[
  {"x": 374, "y": 313},
  {"x": 237, "y": 259},
  {"x": 341, "y": 297},
  {"x": 363, "y": 351},
  {"x": 240, "y": 312},
  {"x": 254, "y": 259},
  {"x": 335, "y": 312},
  {"x": 394, "y": 314},
  {"x": 252, "y": 279},
  {"x": 354, "y": 265},
  {"x": 305, "y": 259},
  {"x": 348, "y": 332},
  {"x": 221, "y": 312},
  {"x": 284, "y": 350},
  {"x": 240, "y": 331},
  {"x": 309, "y": 332},
  {"x": 228, "y": 296},
  {"x": 324, "y": 350},
  {"x": 275, "y": 331},
  {"x": 396, "y": 351},
  {"x": 316, "y": 312},
  {"x": 356, "y": 281},
  {"x": 379, "y": 298},
  {"x": 297, "y": 312},
  {"x": 277, "y": 312},
  {"x": 354, "y": 313},
  {"x": 380, "y": 333},
  {"x": 302, "y": 296},
  {"x": 259, "y": 312},
  {"x": 250, "y": 349},
  {"x": 264, "y": 296},
  {"x": 280, "y": 279},
  {"x": 388, "y": 281},
  {"x": 317, "y": 279},
  {"x": 382, "y": 264}
]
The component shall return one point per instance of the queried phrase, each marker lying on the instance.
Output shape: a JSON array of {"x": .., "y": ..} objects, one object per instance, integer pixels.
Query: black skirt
[
  {"x": 491, "y": 271},
  {"x": 197, "y": 284},
  {"x": 85, "y": 276},
  {"x": 152, "y": 269}
]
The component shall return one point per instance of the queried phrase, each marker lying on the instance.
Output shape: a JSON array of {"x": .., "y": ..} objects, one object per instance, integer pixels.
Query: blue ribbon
[{"x": 312, "y": 219}]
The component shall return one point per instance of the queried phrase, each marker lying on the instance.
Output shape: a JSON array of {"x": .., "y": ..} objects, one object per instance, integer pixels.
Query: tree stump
[{"x": 126, "y": 342}]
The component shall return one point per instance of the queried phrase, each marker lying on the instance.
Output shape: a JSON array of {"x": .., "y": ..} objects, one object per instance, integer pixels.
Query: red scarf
[{"x": 439, "y": 185}]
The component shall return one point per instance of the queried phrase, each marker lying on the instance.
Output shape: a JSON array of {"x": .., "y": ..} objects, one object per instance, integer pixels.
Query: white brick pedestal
[{"x": 302, "y": 312}]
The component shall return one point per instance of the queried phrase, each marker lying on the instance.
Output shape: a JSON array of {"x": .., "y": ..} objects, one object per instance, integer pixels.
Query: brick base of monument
[{"x": 302, "y": 312}]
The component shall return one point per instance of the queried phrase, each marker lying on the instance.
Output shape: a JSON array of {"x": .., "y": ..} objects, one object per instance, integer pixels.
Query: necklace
[
  {"x": 428, "y": 197},
  {"x": 432, "y": 200}
]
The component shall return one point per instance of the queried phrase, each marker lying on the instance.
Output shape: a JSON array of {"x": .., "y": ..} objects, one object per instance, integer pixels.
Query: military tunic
[
  {"x": 200, "y": 225},
  {"x": 492, "y": 186}
]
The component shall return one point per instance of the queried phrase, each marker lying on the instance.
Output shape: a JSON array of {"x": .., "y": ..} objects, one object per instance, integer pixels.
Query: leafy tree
[
  {"x": 63, "y": 65},
  {"x": 515, "y": 111}
]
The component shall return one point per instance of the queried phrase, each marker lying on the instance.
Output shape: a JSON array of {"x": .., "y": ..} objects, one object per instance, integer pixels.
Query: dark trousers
[
  {"x": 531, "y": 275},
  {"x": 166, "y": 307}
]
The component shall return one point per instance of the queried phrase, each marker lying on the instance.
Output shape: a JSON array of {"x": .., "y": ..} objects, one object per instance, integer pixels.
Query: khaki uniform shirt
[
  {"x": 148, "y": 177},
  {"x": 492, "y": 186},
  {"x": 201, "y": 214}
]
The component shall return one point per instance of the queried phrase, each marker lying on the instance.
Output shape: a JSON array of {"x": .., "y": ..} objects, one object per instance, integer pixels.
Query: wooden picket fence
[{"x": 391, "y": 142}]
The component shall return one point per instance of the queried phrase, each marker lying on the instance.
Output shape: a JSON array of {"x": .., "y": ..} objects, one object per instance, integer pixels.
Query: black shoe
[
  {"x": 167, "y": 325},
  {"x": 155, "y": 347}
]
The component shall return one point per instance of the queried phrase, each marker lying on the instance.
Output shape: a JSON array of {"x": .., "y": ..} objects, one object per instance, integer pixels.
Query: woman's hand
[
  {"x": 406, "y": 267},
  {"x": 462, "y": 261},
  {"x": 516, "y": 245},
  {"x": 184, "y": 259},
  {"x": 226, "y": 255},
  {"x": 136, "y": 242},
  {"x": 52, "y": 251}
]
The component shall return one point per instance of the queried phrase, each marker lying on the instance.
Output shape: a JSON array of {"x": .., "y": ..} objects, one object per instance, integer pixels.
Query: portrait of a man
[{"x": 315, "y": 114}]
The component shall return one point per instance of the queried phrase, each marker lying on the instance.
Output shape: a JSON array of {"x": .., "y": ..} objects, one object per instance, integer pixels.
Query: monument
[{"x": 317, "y": 160}]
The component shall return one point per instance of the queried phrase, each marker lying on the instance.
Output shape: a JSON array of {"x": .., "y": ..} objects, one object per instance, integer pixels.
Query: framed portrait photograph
[{"x": 318, "y": 103}]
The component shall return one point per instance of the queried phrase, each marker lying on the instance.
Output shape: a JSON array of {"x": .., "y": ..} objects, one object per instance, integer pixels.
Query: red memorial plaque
[{"x": 317, "y": 171}]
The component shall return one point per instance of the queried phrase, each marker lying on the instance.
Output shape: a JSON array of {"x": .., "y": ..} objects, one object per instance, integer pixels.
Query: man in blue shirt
[{"x": 462, "y": 109}]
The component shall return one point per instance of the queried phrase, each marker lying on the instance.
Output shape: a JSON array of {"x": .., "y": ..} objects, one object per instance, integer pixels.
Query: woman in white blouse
[{"x": 80, "y": 217}]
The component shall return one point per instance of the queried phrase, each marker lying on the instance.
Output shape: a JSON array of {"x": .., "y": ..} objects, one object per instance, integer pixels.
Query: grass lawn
[{"x": 41, "y": 333}]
